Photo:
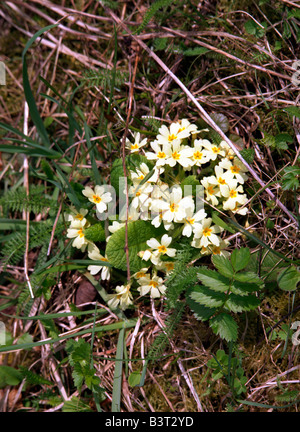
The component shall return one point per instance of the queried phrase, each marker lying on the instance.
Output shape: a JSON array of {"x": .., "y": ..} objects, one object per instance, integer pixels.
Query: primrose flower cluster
[{"x": 156, "y": 195}]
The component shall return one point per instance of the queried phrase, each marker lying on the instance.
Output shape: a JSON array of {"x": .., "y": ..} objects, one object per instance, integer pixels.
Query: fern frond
[
  {"x": 163, "y": 339},
  {"x": 17, "y": 200},
  {"x": 104, "y": 79},
  {"x": 154, "y": 8}
]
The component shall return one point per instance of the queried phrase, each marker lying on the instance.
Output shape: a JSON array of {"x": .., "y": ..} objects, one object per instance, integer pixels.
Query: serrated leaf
[
  {"x": 223, "y": 265},
  {"x": 288, "y": 279},
  {"x": 202, "y": 313},
  {"x": 138, "y": 233},
  {"x": 213, "y": 280},
  {"x": 224, "y": 326},
  {"x": 249, "y": 277},
  {"x": 236, "y": 303},
  {"x": 245, "y": 288},
  {"x": 240, "y": 258},
  {"x": 207, "y": 297},
  {"x": 248, "y": 155}
]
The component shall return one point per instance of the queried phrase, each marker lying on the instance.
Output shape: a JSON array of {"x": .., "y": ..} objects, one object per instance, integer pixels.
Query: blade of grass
[{"x": 117, "y": 385}]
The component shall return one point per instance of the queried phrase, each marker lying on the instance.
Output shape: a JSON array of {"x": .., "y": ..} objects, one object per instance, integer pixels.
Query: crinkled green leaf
[
  {"x": 95, "y": 233},
  {"x": 138, "y": 233},
  {"x": 202, "y": 313}
]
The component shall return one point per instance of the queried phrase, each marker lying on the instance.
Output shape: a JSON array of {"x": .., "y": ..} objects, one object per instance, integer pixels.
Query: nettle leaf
[
  {"x": 236, "y": 303},
  {"x": 138, "y": 233},
  {"x": 223, "y": 265},
  {"x": 289, "y": 279},
  {"x": 202, "y": 313},
  {"x": 240, "y": 258},
  {"x": 207, "y": 297},
  {"x": 224, "y": 326},
  {"x": 213, "y": 280}
]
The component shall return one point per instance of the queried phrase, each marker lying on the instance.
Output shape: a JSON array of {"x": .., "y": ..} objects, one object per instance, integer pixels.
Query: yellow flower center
[
  {"x": 172, "y": 137},
  {"x": 207, "y": 232},
  {"x": 210, "y": 190},
  {"x": 181, "y": 129},
  {"x": 162, "y": 249},
  {"x": 104, "y": 259},
  {"x": 233, "y": 193},
  {"x": 174, "y": 207},
  {"x": 221, "y": 181},
  {"x": 134, "y": 146},
  {"x": 140, "y": 274},
  {"x": 198, "y": 155},
  {"x": 235, "y": 169},
  {"x": 215, "y": 150},
  {"x": 176, "y": 155},
  {"x": 79, "y": 216},
  {"x": 190, "y": 220},
  {"x": 216, "y": 250},
  {"x": 153, "y": 284},
  {"x": 80, "y": 233},
  {"x": 141, "y": 177},
  {"x": 161, "y": 155},
  {"x": 138, "y": 193},
  {"x": 96, "y": 199}
]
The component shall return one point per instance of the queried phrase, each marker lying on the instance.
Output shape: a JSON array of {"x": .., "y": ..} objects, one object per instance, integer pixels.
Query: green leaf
[
  {"x": 190, "y": 181},
  {"x": 196, "y": 51},
  {"x": 244, "y": 288},
  {"x": 138, "y": 233},
  {"x": 213, "y": 280},
  {"x": 237, "y": 303},
  {"x": 254, "y": 29},
  {"x": 134, "y": 378},
  {"x": 207, "y": 297},
  {"x": 224, "y": 326},
  {"x": 282, "y": 140},
  {"x": 218, "y": 221},
  {"x": 9, "y": 376},
  {"x": 240, "y": 258},
  {"x": 292, "y": 111},
  {"x": 95, "y": 233},
  {"x": 223, "y": 265},
  {"x": 248, "y": 155},
  {"x": 248, "y": 277},
  {"x": 202, "y": 313},
  {"x": 288, "y": 279}
]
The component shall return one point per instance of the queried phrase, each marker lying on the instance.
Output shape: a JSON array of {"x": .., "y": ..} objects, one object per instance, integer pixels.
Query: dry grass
[{"x": 243, "y": 77}]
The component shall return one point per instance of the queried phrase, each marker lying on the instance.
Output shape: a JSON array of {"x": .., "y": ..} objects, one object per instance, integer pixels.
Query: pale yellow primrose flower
[
  {"x": 177, "y": 153},
  {"x": 159, "y": 154},
  {"x": 212, "y": 150},
  {"x": 199, "y": 155},
  {"x": 206, "y": 234},
  {"x": 153, "y": 285},
  {"x": 176, "y": 133},
  {"x": 212, "y": 191},
  {"x": 74, "y": 215},
  {"x": 235, "y": 169},
  {"x": 191, "y": 222},
  {"x": 98, "y": 197},
  {"x": 94, "y": 254},
  {"x": 216, "y": 250},
  {"x": 161, "y": 248},
  {"x": 134, "y": 147},
  {"x": 122, "y": 298},
  {"x": 234, "y": 195},
  {"x": 76, "y": 231},
  {"x": 173, "y": 206}
]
